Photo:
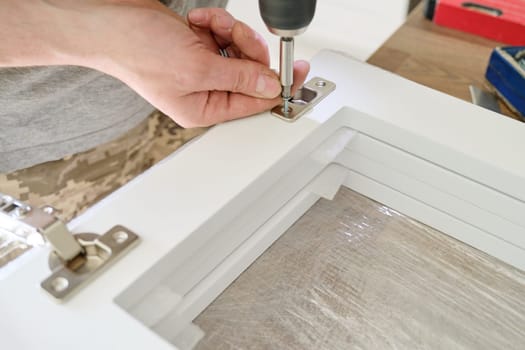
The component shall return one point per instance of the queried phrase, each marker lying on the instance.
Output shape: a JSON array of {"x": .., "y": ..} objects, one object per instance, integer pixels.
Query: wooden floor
[{"x": 353, "y": 274}]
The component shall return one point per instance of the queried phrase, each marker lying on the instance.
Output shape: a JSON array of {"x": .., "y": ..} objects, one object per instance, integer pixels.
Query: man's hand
[
  {"x": 173, "y": 64},
  {"x": 178, "y": 68}
]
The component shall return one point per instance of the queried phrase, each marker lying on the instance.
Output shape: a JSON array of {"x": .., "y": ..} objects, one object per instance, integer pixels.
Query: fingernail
[
  {"x": 248, "y": 32},
  {"x": 225, "y": 22},
  {"x": 197, "y": 16},
  {"x": 267, "y": 86}
]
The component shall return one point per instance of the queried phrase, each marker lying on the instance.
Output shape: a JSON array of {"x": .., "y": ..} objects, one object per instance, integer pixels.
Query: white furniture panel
[{"x": 209, "y": 210}]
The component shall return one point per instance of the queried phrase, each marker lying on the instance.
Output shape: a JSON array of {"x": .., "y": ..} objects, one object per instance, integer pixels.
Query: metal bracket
[
  {"x": 484, "y": 99},
  {"x": 100, "y": 251},
  {"x": 304, "y": 99},
  {"x": 75, "y": 258},
  {"x": 27, "y": 223}
]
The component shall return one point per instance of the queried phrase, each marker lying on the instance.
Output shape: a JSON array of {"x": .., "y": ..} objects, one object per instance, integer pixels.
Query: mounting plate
[
  {"x": 304, "y": 99},
  {"x": 100, "y": 251}
]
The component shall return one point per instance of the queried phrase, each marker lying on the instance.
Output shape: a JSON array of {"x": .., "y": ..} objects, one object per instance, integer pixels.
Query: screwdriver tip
[{"x": 286, "y": 106}]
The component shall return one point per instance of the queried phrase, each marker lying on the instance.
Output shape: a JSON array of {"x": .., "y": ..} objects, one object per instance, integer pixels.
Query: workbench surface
[{"x": 441, "y": 58}]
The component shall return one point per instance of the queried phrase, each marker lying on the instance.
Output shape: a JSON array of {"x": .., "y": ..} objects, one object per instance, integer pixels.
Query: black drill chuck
[{"x": 287, "y": 15}]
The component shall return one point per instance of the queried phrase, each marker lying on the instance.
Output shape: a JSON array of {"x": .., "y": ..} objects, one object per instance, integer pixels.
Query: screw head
[
  {"x": 120, "y": 237},
  {"x": 48, "y": 210},
  {"x": 59, "y": 284}
]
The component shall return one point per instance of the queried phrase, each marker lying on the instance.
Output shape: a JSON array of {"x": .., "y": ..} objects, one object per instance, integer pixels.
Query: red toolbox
[{"x": 500, "y": 20}]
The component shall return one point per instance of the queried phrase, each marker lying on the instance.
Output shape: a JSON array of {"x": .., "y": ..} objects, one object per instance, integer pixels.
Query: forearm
[
  {"x": 37, "y": 32},
  {"x": 173, "y": 65}
]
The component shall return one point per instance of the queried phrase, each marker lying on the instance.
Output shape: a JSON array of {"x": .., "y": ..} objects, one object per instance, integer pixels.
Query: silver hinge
[
  {"x": 305, "y": 99},
  {"x": 75, "y": 258}
]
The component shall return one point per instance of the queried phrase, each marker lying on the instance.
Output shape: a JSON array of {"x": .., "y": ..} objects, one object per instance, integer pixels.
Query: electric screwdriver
[{"x": 287, "y": 18}]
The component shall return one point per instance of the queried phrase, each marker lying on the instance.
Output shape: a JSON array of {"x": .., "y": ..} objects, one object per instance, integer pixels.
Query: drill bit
[
  {"x": 286, "y": 71},
  {"x": 287, "y": 18}
]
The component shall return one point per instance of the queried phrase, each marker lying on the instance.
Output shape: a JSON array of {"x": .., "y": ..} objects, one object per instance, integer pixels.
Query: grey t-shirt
[{"x": 47, "y": 113}]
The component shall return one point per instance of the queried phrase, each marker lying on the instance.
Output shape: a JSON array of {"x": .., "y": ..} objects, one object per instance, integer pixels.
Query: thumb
[{"x": 242, "y": 76}]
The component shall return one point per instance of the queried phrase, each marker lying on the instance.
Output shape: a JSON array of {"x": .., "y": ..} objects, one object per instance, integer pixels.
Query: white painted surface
[
  {"x": 464, "y": 128},
  {"x": 355, "y": 27},
  {"x": 183, "y": 206}
]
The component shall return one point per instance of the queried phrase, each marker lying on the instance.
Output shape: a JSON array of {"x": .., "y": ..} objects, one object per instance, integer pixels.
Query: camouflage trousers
[{"x": 76, "y": 182}]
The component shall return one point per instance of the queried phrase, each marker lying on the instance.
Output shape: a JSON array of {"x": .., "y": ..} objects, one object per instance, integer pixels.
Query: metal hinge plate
[
  {"x": 305, "y": 99},
  {"x": 99, "y": 252},
  {"x": 75, "y": 258}
]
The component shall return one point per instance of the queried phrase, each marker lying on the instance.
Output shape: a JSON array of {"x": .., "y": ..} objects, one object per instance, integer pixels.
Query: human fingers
[
  {"x": 228, "y": 31},
  {"x": 301, "y": 69},
  {"x": 250, "y": 43},
  {"x": 218, "y": 106},
  {"x": 240, "y": 76},
  {"x": 238, "y": 105},
  {"x": 217, "y": 20}
]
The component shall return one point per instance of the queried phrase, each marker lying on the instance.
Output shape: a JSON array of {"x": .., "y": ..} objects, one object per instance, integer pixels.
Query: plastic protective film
[{"x": 354, "y": 274}]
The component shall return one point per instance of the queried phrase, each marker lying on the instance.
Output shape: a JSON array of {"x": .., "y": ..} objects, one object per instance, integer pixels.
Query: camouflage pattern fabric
[
  {"x": 76, "y": 182},
  {"x": 73, "y": 184}
]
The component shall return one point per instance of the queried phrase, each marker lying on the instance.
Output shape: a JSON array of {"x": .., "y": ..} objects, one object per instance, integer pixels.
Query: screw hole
[
  {"x": 320, "y": 83},
  {"x": 48, "y": 210},
  {"x": 59, "y": 284},
  {"x": 120, "y": 237}
]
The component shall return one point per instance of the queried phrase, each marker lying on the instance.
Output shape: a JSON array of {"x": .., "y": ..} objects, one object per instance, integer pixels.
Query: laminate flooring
[{"x": 354, "y": 274}]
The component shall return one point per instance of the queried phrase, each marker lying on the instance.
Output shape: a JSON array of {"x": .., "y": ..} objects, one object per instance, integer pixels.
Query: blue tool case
[{"x": 506, "y": 73}]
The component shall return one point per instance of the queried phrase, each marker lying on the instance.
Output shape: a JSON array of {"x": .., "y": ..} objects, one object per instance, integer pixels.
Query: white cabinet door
[{"x": 206, "y": 212}]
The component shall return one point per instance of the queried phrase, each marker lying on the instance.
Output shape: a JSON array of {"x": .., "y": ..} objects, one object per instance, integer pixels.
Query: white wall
[{"x": 355, "y": 27}]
